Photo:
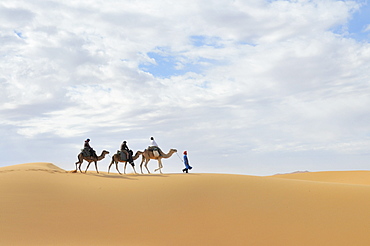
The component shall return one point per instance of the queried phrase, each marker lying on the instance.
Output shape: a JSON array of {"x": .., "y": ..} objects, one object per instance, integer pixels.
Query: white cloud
[{"x": 258, "y": 79}]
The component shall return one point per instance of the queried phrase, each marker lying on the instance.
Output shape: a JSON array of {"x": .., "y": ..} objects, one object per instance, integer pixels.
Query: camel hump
[{"x": 155, "y": 150}]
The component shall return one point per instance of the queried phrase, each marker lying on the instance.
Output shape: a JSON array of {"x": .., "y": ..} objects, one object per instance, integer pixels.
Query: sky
[{"x": 251, "y": 87}]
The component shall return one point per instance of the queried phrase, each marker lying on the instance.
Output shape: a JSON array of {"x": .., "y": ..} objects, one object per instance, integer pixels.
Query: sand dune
[
  {"x": 344, "y": 177},
  {"x": 42, "y": 204}
]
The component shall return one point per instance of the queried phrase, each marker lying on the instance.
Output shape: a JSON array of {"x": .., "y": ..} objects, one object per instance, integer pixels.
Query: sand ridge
[
  {"x": 56, "y": 207},
  {"x": 343, "y": 177},
  {"x": 37, "y": 166}
]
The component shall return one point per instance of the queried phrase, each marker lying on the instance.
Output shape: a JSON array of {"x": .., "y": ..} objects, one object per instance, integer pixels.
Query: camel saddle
[
  {"x": 122, "y": 155},
  {"x": 155, "y": 150}
]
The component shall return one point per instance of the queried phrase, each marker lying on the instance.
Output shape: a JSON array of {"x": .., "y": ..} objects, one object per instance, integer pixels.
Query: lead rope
[{"x": 179, "y": 157}]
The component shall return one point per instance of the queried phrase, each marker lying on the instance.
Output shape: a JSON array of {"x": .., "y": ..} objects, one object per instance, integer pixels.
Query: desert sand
[{"x": 42, "y": 204}]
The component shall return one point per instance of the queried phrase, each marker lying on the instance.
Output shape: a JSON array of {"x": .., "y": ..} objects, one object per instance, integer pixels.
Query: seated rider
[
  {"x": 88, "y": 148},
  {"x": 125, "y": 149},
  {"x": 153, "y": 146},
  {"x": 153, "y": 142}
]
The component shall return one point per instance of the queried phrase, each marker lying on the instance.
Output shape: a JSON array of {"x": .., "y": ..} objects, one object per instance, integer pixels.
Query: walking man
[{"x": 186, "y": 162}]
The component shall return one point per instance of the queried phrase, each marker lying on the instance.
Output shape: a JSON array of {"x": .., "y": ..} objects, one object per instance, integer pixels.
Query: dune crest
[
  {"x": 343, "y": 177},
  {"x": 33, "y": 166}
]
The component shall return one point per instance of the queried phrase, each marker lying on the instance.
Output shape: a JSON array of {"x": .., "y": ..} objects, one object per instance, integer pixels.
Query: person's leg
[
  {"x": 95, "y": 155},
  {"x": 130, "y": 157},
  {"x": 127, "y": 155}
]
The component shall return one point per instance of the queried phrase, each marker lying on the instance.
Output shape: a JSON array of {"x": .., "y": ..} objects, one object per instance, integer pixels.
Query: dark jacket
[{"x": 87, "y": 145}]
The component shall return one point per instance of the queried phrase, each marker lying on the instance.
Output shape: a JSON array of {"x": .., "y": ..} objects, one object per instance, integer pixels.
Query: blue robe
[{"x": 186, "y": 162}]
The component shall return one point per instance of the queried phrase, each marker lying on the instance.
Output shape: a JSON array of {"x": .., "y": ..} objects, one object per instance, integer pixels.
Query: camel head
[{"x": 105, "y": 152}]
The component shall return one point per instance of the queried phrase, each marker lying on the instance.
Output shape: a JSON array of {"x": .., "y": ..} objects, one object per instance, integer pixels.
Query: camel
[
  {"x": 90, "y": 159},
  {"x": 116, "y": 159},
  {"x": 148, "y": 155}
]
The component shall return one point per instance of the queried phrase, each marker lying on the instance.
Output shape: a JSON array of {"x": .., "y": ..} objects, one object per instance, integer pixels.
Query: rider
[
  {"x": 153, "y": 142},
  {"x": 153, "y": 145},
  {"x": 125, "y": 149},
  {"x": 89, "y": 149}
]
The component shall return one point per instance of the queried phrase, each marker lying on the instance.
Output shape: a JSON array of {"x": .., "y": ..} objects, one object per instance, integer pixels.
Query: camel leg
[
  {"x": 111, "y": 163},
  {"x": 79, "y": 163},
  {"x": 141, "y": 165},
  {"x": 146, "y": 166},
  {"x": 87, "y": 166},
  {"x": 79, "y": 167},
  {"x": 96, "y": 166},
  {"x": 110, "y": 166},
  {"x": 159, "y": 166},
  {"x": 134, "y": 169},
  {"x": 124, "y": 169},
  {"x": 117, "y": 167}
]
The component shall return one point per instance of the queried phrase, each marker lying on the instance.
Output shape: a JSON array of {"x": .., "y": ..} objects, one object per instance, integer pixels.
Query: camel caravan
[{"x": 124, "y": 155}]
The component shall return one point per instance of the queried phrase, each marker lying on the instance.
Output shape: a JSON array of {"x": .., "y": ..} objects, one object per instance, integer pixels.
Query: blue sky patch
[
  {"x": 359, "y": 22},
  {"x": 168, "y": 65},
  {"x": 19, "y": 34},
  {"x": 200, "y": 41}
]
